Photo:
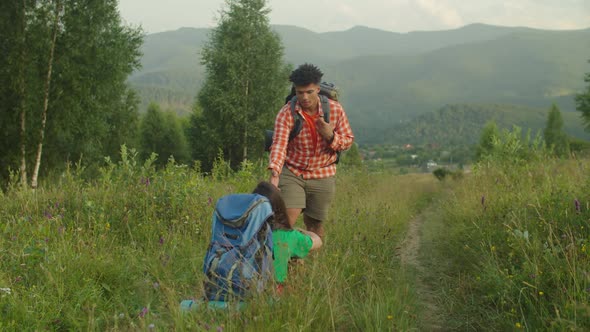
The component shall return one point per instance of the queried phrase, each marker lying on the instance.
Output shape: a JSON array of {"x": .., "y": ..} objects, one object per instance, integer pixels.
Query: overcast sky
[{"x": 391, "y": 15}]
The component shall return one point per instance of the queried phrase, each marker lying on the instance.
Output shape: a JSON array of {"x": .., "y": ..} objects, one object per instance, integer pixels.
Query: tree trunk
[
  {"x": 46, "y": 96},
  {"x": 21, "y": 92},
  {"x": 245, "y": 156}
]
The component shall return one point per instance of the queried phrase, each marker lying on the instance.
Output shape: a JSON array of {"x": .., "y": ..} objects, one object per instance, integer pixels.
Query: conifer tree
[
  {"x": 245, "y": 85},
  {"x": 488, "y": 135},
  {"x": 583, "y": 103},
  {"x": 554, "y": 135}
]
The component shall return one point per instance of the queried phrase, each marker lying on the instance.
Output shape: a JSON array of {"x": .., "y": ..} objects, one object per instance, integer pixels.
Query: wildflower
[
  {"x": 533, "y": 276},
  {"x": 161, "y": 241},
  {"x": 156, "y": 285},
  {"x": 493, "y": 248},
  {"x": 121, "y": 315},
  {"x": 541, "y": 293},
  {"x": 389, "y": 317},
  {"x": 518, "y": 325},
  {"x": 210, "y": 201},
  {"x": 48, "y": 215},
  {"x": 6, "y": 291},
  {"x": 151, "y": 326},
  {"x": 577, "y": 205},
  {"x": 143, "y": 312},
  {"x": 107, "y": 226},
  {"x": 219, "y": 328}
]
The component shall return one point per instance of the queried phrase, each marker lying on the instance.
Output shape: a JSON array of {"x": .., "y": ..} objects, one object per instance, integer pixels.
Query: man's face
[{"x": 307, "y": 95}]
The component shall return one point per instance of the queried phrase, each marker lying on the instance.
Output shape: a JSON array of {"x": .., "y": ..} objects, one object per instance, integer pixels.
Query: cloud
[{"x": 447, "y": 15}]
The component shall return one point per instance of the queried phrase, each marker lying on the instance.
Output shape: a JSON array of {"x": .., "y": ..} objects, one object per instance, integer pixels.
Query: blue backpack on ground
[{"x": 239, "y": 259}]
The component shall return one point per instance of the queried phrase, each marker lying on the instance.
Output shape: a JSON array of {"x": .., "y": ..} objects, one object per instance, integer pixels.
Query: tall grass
[
  {"x": 510, "y": 244},
  {"x": 121, "y": 251}
]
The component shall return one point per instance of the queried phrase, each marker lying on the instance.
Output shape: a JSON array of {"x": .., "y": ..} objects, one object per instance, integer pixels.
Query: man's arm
[
  {"x": 280, "y": 140},
  {"x": 342, "y": 136}
]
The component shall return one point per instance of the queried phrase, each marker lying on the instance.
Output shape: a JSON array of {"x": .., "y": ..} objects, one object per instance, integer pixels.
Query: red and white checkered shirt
[{"x": 299, "y": 155}]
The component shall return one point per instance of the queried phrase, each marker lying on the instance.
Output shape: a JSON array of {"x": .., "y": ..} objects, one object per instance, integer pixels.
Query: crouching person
[{"x": 288, "y": 243}]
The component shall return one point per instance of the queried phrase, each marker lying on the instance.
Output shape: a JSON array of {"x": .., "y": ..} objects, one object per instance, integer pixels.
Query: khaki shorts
[{"x": 314, "y": 196}]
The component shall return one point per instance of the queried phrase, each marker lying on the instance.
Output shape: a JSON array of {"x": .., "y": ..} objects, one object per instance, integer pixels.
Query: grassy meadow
[
  {"x": 504, "y": 247},
  {"x": 508, "y": 247},
  {"x": 120, "y": 253}
]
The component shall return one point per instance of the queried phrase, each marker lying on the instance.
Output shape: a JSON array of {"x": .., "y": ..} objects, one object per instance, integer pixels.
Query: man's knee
[
  {"x": 314, "y": 225},
  {"x": 293, "y": 214}
]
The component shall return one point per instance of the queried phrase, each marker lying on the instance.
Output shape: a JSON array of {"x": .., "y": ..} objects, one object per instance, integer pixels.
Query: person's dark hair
[
  {"x": 305, "y": 75},
  {"x": 268, "y": 190}
]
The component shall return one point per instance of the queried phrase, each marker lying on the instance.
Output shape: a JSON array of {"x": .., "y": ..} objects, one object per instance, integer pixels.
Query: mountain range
[{"x": 387, "y": 79}]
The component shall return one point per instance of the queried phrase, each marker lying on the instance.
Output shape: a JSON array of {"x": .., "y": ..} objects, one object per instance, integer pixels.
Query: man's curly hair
[{"x": 306, "y": 74}]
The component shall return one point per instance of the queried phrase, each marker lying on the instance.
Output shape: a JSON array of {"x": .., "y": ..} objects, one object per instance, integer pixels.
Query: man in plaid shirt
[{"x": 304, "y": 168}]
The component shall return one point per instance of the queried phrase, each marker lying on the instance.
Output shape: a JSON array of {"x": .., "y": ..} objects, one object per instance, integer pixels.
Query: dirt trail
[{"x": 410, "y": 257}]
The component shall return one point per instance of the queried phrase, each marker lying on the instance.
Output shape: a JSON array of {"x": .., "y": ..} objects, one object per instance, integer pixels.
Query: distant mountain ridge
[{"x": 387, "y": 77}]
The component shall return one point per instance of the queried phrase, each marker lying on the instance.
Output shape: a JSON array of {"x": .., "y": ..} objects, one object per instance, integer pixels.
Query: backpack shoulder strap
[
  {"x": 296, "y": 119},
  {"x": 325, "y": 107}
]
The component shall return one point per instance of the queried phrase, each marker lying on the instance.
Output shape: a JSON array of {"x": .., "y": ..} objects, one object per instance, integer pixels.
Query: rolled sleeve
[
  {"x": 280, "y": 139},
  {"x": 343, "y": 136}
]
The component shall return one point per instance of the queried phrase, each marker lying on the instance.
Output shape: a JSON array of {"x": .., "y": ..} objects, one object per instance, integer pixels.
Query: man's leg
[
  {"x": 319, "y": 196},
  {"x": 293, "y": 214},
  {"x": 293, "y": 193},
  {"x": 314, "y": 225}
]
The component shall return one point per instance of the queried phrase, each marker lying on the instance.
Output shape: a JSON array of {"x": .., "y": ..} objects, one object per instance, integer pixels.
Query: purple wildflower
[
  {"x": 533, "y": 276},
  {"x": 210, "y": 201},
  {"x": 143, "y": 312},
  {"x": 206, "y": 326},
  {"x": 577, "y": 205},
  {"x": 219, "y": 329},
  {"x": 48, "y": 215},
  {"x": 161, "y": 241}
]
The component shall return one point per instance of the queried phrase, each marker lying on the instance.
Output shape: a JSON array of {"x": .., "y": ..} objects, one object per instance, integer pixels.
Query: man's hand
[
  {"x": 325, "y": 129},
  {"x": 274, "y": 178}
]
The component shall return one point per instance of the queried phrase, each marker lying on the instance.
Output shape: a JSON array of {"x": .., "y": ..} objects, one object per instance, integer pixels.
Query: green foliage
[
  {"x": 245, "y": 83},
  {"x": 91, "y": 111},
  {"x": 122, "y": 251},
  {"x": 510, "y": 148},
  {"x": 583, "y": 103},
  {"x": 352, "y": 158},
  {"x": 162, "y": 133},
  {"x": 555, "y": 137},
  {"x": 514, "y": 241},
  {"x": 488, "y": 136},
  {"x": 441, "y": 173}
]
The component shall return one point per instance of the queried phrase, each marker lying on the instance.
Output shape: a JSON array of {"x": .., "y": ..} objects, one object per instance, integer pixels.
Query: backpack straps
[
  {"x": 325, "y": 107},
  {"x": 298, "y": 121}
]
